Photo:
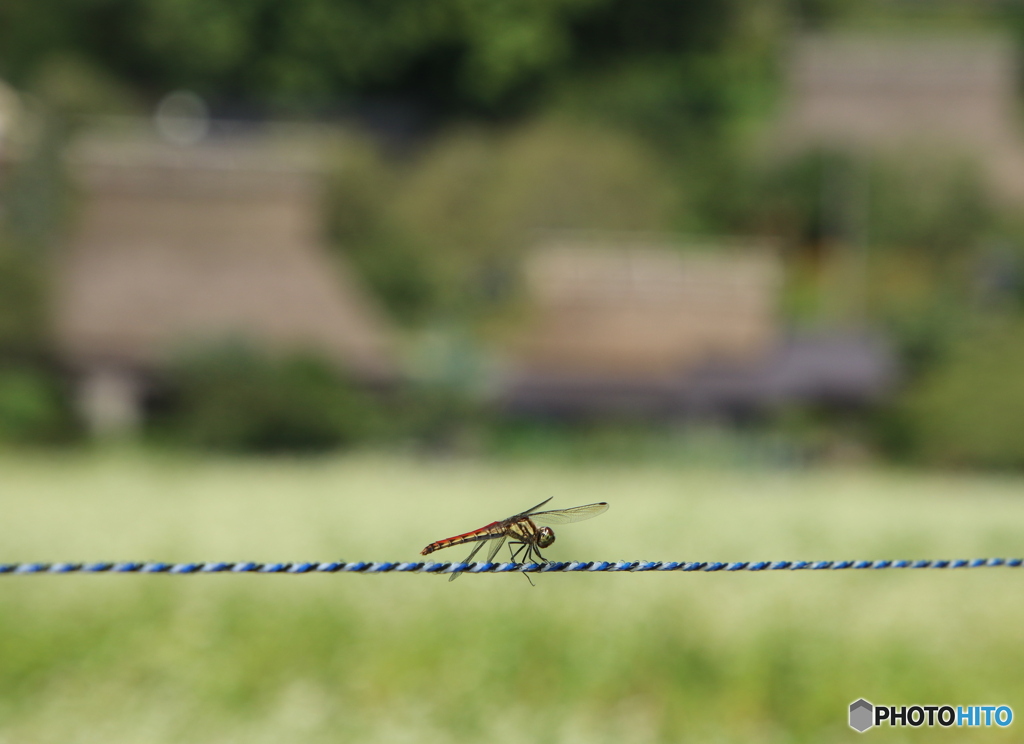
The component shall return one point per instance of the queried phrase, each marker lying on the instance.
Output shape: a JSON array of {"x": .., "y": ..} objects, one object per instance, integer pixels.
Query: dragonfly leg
[
  {"x": 530, "y": 550},
  {"x": 515, "y": 555},
  {"x": 536, "y": 552}
]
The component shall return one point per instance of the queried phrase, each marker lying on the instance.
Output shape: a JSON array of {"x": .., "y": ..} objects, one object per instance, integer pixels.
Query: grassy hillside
[{"x": 580, "y": 658}]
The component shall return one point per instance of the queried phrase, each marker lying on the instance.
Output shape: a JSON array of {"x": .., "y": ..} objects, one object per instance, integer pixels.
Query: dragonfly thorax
[{"x": 545, "y": 536}]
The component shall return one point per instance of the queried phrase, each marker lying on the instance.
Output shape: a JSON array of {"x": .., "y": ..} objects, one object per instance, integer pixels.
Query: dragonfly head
[{"x": 545, "y": 536}]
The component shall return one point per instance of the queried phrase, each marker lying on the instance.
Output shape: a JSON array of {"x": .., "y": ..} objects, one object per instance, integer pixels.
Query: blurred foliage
[
  {"x": 899, "y": 230},
  {"x": 34, "y": 191},
  {"x": 930, "y": 202},
  {"x": 969, "y": 409},
  {"x": 71, "y": 86},
  {"x": 35, "y": 202},
  {"x": 922, "y": 224},
  {"x": 647, "y": 443},
  {"x": 235, "y": 399},
  {"x": 450, "y": 55},
  {"x": 436, "y": 420},
  {"x": 359, "y": 205},
  {"x": 34, "y": 406},
  {"x": 35, "y": 399},
  {"x": 23, "y": 315},
  {"x": 442, "y": 235}
]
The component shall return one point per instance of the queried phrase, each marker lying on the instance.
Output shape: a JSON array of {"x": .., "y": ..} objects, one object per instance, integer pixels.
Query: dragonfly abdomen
[{"x": 484, "y": 533}]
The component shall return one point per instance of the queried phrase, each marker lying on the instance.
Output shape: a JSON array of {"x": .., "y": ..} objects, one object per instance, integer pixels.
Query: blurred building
[
  {"x": 632, "y": 327},
  {"x": 181, "y": 244},
  {"x": 889, "y": 91}
]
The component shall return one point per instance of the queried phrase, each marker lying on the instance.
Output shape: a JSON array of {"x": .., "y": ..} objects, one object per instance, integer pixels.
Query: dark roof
[{"x": 839, "y": 369}]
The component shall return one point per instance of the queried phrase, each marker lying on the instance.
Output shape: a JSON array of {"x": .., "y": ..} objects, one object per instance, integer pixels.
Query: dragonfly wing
[
  {"x": 494, "y": 550},
  {"x": 469, "y": 557},
  {"x": 534, "y": 508},
  {"x": 567, "y": 516}
]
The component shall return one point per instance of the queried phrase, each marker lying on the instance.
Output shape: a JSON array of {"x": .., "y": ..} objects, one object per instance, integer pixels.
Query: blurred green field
[{"x": 580, "y": 658}]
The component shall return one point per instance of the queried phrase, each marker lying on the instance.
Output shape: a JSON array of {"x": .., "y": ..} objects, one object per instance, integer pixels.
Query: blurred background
[
  {"x": 489, "y": 229},
  {"x": 338, "y": 276}
]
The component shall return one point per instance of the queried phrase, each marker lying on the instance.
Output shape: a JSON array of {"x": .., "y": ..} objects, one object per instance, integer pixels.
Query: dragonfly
[{"x": 521, "y": 530}]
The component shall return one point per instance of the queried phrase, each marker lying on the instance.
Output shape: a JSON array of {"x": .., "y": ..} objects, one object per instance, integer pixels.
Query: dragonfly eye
[{"x": 545, "y": 536}]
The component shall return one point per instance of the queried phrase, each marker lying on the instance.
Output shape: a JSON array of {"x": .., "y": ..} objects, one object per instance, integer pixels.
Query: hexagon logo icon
[{"x": 862, "y": 715}]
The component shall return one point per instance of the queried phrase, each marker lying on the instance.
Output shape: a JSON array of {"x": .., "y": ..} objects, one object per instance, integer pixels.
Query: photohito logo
[{"x": 864, "y": 715}]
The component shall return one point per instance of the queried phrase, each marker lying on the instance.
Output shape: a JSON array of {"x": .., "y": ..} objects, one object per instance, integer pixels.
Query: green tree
[
  {"x": 455, "y": 55},
  {"x": 235, "y": 399},
  {"x": 969, "y": 411}
]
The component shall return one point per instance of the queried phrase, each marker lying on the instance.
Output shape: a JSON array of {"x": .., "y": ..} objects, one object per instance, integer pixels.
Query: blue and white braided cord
[{"x": 24, "y": 569}]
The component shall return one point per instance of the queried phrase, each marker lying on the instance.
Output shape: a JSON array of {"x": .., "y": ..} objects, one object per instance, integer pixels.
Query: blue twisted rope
[{"x": 24, "y": 569}]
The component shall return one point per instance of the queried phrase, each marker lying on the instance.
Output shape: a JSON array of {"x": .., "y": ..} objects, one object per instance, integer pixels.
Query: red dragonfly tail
[{"x": 484, "y": 533}]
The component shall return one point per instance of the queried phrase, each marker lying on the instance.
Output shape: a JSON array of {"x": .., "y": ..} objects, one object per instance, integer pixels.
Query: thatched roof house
[
  {"x": 637, "y": 309},
  {"x": 626, "y": 325},
  {"x": 177, "y": 245},
  {"x": 891, "y": 91}
]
